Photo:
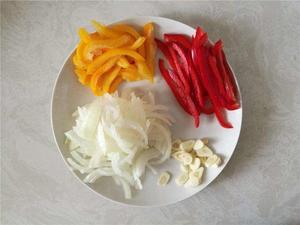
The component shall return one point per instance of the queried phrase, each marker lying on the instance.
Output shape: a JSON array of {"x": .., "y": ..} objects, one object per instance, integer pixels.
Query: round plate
[{"x": 69, "y": 93}]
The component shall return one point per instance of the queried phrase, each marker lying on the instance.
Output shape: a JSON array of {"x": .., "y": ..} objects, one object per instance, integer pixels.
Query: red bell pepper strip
[
  {"x": 165, "y": 50},
  {"x": 183, "y": 57},
  {"x": 178, "y": 71},
  {"x": 191, "y": 107},
  {"x": 230, "y": 77},
  {"x": 215, "y": 71},
  {"x": 184, "y": 100},
  {"x": 229, "y": 90},
  {"x": 202, "y": 55},
  {"x": 195, "y": 80},
  {"x": 233, "y": 106},
  {"x": 208, "y": 107},
  {"x": 172, "y": 84},
  {"x": 179, "y": 39}
]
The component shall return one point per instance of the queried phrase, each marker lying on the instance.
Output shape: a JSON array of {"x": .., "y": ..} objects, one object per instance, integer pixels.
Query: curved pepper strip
[
  {"x": 184, "y": 100},
  {"x": 183, "y": 57},
  {"x": 215, "y": 71},
  {"x": 110, "y": 77},
  {"x": 198, "y": 92},
  {"x": 93, "y": 45},
  {"x": 144, "y": 71},
  {"x": 150, "y": 47},
  {"x": 98, "y": 73},
  {"x": 168, "y": 78},
  {"x": 138, "y": 43},
  {"x": 179, "y": 39},
  {"x": 92, "y": 67},
  {"x": 123, "y": 62},
  {"x": 141, "y": 50},
  {"x": 206, "y": 77},
  {"x": 79, "y": 64},
  {"x": 83, "y": 77},
  {"x": 123, "y": 28},
  {"x": 79, "y": 51},
  {"x": 226, "y": 74},
  {"x": 178, "y": 71},
  {"x": 115, "y": 84},
  {"x": 105, "y": 31},
  {"x": 130, "y": 73},
  {"x": 164, "y": 49},
  {"x": 230, "y": 79},
  {"x": 84, "y": 35}
]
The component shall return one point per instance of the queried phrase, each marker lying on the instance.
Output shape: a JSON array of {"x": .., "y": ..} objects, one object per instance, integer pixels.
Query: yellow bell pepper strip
[
  {"x": 106, "y": 43},
  {"x": 92, "y": 67},
  {"x": 78, "y": 63},
  {"x": 150, "y": 46},
  {"x": 99, "y": 72},
  {"x": 105, "y": 31},
  {"x": 109, "y": 78},
  {"x": 144, "y": 71},
  {"x": 130, "y": 73},
  {"x": 83, "y": 77},
  {"x": 115, "y": 84},
  {"x": 84, "y": 35},
  {"x": 141, "y": 50},
  {"x": 138, "y": 43},
  {"x": 79, "y": 51},
  {"x": 96, "y": 36},
  {"x": 123, "y": 62},
  {"x": 123, "y": 28}
]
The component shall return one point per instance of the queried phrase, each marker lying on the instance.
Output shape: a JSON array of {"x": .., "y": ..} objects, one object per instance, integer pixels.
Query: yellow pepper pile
[{"x": 113, "y": 54}]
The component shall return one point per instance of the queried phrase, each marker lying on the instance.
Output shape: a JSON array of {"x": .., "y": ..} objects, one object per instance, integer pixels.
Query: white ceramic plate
[{"x": 69, "y": 93}]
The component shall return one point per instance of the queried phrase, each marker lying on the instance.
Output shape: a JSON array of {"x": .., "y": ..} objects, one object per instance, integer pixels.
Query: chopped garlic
[
  {"x": 177, "y": 155},
  {"x": 198, "y": 145},
  {"x": 193, "y": 181},
  {"x": 192, "y": 155},
  {"x": 195, "y": 165},
  {"x": 164, "y": 178},
  {"x": 186, "y": 158},
  {"x": 176, "y": 143},
  {"x": 205, "y": 141},
  {"x": 184, "y": 168},
  {"x": 187, "y": 145},
  {"x": 213, "y": 160},
  {"x": 181, "y": 179},
  {"x": 198, "y": 173},
  {"x": 204, "y": 152}
]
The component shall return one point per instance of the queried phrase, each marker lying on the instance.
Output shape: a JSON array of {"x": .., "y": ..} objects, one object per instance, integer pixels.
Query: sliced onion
[{"x": 120, "y": 137}]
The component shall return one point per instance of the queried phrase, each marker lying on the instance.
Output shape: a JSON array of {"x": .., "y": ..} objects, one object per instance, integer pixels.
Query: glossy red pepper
[
  {"x": 206, "y": 77},
  {"x": 195, "y": 81},
  {"x": 172, "y": 84},
  {"x": 182, "y": 58},
  {"x": 184, "y": 100},
  {"x": 179, "y": 39},
  {"x": 230, "y": 77},
  {"x": 179, "y": 71},
  {"x": 215, "y": 71},
  {"x": 229, "y": 89},
  {"x": 165, "y": 50}
]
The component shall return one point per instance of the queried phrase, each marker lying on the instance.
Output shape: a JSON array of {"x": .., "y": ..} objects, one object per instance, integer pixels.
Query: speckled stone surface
[{"x": 260, "y": 185}]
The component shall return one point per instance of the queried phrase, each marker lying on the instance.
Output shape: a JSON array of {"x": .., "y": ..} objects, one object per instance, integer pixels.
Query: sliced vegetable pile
[
  {"x": 199, "y": 75},
  {"x": 112, "y": 54},
  {"x": 118, "y": 137}
]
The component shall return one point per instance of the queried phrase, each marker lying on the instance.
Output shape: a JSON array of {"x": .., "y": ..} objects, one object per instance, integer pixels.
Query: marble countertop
[{"x": 260, "y": 185}]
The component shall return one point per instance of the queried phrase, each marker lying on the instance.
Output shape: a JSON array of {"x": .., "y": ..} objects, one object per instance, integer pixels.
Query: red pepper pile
[{"x": 200, "y": 77}]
